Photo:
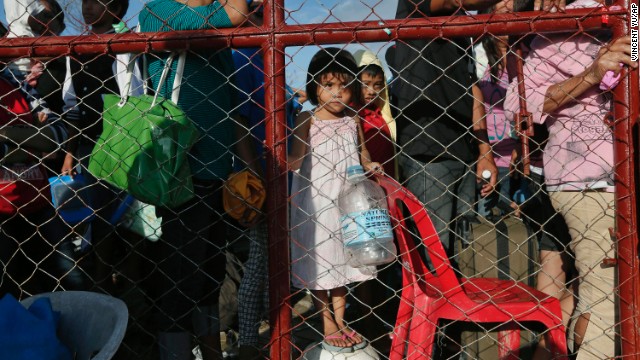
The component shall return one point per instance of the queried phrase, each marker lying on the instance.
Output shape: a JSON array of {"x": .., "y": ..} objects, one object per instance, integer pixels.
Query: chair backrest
[
  {"x": 92, "y": 325},
  {"x": 444, "y": 281}
]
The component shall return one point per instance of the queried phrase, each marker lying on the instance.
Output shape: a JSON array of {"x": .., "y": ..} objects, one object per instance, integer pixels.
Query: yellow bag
[{"x": 243, "y": 196}]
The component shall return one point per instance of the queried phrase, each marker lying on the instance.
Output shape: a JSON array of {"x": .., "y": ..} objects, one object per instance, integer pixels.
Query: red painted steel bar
[
  {"x": 277, "y": 205},
  {"x": 274, "y": 36},
  {"x": 626, "y": 119},
  {"x": 291, "y": 35}
]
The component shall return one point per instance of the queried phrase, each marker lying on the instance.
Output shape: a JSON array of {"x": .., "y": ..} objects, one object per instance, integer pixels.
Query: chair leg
[
  {"x": 401, "y": 330},
  {"x": 509, "y": 342},
  {"x": 422, "y": 335},
  {"x": 557, "y": 342}
]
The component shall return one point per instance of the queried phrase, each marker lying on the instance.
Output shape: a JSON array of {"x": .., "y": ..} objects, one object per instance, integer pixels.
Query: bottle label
[{"x": 362, "y": 226}]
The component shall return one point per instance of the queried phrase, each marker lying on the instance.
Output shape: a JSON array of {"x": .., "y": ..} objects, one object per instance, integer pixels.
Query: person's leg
[
  {"x": 104, "y": 200},
  {"x": 104, "y": 238},
  {"x": 332, "y": 334},
  {"x": 464, "y": 188},
  {"x": 434, "y": 184},
  {"x": 589, "y": 216},
  {"x": 251, "y": 292},
  {"x": 446, "y": 188},
  {"x": 339, "y": 304},
  {"x": 174, "y": 338},
  {"x": 61, "y": 266},
  {"x": 204, "y": 286},
  {"x": 552, "y": 280},
  {"x": 191, "y": 268},
  {"x": 554, "y": 238}
]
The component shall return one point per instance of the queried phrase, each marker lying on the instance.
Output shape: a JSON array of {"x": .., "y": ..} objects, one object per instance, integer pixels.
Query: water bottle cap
[
  {"x": 354, "y": 170},
  {"x": 486, "y": 174}
]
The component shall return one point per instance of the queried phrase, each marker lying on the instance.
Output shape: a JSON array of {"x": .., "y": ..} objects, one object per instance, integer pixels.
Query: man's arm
[{"x": 485, "y": 159}]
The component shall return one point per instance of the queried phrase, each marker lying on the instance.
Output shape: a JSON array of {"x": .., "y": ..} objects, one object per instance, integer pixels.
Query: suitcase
[{"x": 498, "y": 247}]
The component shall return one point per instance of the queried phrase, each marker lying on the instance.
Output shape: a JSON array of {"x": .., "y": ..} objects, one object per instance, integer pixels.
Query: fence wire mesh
[{"x": 159, "y": 151}]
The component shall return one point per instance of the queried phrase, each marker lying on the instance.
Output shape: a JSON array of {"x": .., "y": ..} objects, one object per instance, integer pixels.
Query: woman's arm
[
  {"x": 609, "y": 59},
  {"x": 299, "y": 140},
  {"x": 200, "y": 14},
  {"x": 237, "y": 10}
]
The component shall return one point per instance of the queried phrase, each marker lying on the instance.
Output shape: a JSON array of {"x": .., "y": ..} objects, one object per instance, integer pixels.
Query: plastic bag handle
[{"x": 177, "y": 82}]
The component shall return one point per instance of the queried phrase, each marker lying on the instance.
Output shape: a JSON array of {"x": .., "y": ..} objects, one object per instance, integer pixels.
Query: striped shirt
[{"x": 206, "y": 94}]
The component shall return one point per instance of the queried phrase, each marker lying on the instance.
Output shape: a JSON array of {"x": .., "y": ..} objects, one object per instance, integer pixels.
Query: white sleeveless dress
[{"x": 318, "y": 260}]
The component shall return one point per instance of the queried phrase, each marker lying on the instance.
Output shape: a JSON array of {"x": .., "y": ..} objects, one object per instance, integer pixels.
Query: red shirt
[{"x": 377, "y": 138}]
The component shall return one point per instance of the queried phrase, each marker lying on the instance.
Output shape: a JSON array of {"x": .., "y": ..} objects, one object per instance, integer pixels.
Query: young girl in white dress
[{"x": 326, "y": 141}]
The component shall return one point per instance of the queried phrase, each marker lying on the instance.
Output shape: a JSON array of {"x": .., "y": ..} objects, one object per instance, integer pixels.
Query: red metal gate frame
[{"x": 275, "y": 36}]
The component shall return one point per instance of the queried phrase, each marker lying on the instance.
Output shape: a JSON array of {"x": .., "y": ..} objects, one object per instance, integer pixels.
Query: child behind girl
[
  {"x": 375, "y": 111},
  {"x": 326, "y": 141}
]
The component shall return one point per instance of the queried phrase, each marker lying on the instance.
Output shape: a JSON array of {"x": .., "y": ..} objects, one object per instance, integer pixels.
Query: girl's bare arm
[
  {"x": 299, "y": 140},
  {"x": 365, "y": 157}
]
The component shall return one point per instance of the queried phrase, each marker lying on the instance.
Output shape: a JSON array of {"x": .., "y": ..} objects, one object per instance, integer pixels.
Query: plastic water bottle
[{"x": 365, "y": 222}]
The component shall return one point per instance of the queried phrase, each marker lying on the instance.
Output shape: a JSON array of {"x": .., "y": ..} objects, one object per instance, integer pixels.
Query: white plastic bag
[{"x": 140, "y": 218}]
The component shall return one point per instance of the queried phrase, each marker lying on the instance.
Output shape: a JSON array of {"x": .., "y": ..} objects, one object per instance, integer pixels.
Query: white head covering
[{"x": 366, "y": 57}]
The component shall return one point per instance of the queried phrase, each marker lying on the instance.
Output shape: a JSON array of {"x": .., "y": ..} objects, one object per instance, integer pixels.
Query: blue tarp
[{"x": 28, "y": 334}]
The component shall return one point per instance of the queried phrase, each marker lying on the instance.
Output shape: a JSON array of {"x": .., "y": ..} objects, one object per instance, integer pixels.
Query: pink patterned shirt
[{"x": 579, "y": 152}]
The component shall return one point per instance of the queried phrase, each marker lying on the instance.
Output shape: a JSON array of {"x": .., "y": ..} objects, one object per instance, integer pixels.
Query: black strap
[{"x": 502, "y": 243}]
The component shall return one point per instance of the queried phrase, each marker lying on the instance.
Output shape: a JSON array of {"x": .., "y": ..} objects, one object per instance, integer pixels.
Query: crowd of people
[{"x": 436, "y": 126}]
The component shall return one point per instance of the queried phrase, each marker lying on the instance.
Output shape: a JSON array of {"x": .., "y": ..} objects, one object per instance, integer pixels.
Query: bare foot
[{"x": 335, "y": 337}]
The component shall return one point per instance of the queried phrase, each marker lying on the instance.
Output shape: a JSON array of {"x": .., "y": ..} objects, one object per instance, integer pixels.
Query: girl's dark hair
[
  {"x": 490, "y": 43},
  {"x": 494, "y": 57},
  {"x": 124, "y": 6},
  {"x": 331, "y": 61},
  {"x": 56, "y": 9},
  {"x": 371, "y": 70}
]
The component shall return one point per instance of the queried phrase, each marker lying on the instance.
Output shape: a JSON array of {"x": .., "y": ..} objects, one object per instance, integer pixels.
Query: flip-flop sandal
[
  {"x": 335, "y": 337},
  {"x": 352, "y": 336},
  {"x": 334, "y": 348}
]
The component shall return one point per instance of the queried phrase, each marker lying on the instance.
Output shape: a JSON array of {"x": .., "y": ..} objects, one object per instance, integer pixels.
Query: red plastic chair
[{"x": 430, "y": 297}]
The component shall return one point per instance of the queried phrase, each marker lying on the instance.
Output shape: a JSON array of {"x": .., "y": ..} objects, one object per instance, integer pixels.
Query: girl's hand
[{"x": 373, "y": 167}]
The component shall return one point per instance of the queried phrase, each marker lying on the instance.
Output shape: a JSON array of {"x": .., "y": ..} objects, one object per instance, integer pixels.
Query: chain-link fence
[{"x": 198, "y": 160}]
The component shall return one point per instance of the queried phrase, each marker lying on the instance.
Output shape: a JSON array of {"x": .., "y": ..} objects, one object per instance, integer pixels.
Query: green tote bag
[{"x": 145, "y": 143}]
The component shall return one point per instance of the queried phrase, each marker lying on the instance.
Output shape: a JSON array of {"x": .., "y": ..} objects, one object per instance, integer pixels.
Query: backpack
[{"x": 23, "y": 187}]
